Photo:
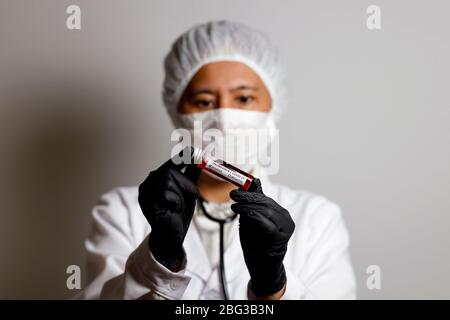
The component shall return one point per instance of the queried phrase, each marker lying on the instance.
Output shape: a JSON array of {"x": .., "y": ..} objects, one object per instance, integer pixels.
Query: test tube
[{"x": 222, "y": 169}]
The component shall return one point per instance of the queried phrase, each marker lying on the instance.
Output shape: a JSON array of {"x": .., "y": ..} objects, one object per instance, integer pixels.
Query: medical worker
[{"x": 158, "y": 241}]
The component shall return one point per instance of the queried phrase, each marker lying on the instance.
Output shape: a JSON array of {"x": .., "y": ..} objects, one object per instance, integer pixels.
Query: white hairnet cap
[{"x": 221, "y": 41}]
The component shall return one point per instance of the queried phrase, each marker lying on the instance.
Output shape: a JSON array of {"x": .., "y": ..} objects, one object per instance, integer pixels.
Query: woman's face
[{"x": 225, "y": 84}]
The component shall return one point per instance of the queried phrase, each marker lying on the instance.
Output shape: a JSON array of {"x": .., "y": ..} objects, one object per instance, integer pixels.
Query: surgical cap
[{"x": 221, "y": 41}]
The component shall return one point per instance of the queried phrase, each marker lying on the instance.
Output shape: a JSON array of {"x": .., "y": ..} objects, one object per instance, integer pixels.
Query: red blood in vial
[{"x": 244, "y": 186}]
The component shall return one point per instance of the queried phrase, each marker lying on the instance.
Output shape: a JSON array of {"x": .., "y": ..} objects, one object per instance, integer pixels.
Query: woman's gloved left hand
[{"x": 265, "y": 229}]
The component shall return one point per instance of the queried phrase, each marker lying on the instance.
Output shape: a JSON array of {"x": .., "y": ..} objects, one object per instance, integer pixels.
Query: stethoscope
[{"x": 221, "y": 223}]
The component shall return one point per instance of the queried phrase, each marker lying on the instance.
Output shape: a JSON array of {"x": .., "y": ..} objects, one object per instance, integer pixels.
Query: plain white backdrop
[{"x": 367, "y": 126}]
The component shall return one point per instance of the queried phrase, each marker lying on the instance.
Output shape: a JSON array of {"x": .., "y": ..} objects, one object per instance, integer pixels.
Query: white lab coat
[{"x": 121, "y": 266}]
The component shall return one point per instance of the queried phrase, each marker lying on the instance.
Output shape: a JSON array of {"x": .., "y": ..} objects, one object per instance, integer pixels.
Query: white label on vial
[{"x": 226, "y": 172}]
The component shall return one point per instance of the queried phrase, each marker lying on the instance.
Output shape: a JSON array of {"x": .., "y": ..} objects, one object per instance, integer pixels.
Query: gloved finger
[
  {"x": 254, "y": 193},
  {"x": 281, "y": 217},
  {"x": 184, "y": 183},
  {"x": 193, "y": 172},
  {"x": 151, "y": 188},
  {"x": 252, "y": 217},
  {"x": 172, "y": 200},
  {"x": 252, "y": 212},
  {"x": 254, "y": 209},
  {"x": 242, "y": 196},
  {"x": 242, "y": 208},
  {"x": 255, "y": 186},
  {"x": 166, "y": 184},
  {"x": 276, "y": 213},
  {"x": 172, "y": 222},
  {"x": 281, "y": 220},
  {"x": 155, "y": 192}
]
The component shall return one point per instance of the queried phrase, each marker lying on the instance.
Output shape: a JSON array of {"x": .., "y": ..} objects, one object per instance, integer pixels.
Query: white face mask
[{"x": 239, "y": 137}]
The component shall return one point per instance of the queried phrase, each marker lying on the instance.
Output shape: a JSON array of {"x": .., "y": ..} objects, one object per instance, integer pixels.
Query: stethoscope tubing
[{"x": 221, "y": 223}]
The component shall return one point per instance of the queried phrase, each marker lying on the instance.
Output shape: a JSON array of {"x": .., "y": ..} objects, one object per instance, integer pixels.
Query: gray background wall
[{"x": 368, "y": 127}]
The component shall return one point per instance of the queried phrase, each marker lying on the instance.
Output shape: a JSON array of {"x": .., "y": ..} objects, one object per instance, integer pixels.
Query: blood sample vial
[{"x": 222, "y": 169}]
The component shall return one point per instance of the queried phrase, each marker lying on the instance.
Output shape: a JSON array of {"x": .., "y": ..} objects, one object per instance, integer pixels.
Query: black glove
[
  {"x": 264, "y": 229},
  {"x": 167, "y": 199}
]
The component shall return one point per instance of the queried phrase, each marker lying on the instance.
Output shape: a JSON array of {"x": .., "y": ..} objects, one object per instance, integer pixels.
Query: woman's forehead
[{"x": 230, "y": 75}]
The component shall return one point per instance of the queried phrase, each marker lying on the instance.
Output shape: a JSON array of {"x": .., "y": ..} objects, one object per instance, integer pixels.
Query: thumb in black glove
[
  {"x": 167, "y": 198},
  {"x": 264, "y": 229}
]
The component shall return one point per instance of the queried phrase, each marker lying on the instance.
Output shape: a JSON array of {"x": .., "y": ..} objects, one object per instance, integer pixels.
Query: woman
[{"x": 284, "y": 243}]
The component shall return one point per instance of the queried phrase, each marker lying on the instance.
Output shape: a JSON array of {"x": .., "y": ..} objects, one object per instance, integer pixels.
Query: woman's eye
[
  {"x": 203, "y": 103},
  {"x": 245, "y": 99}
]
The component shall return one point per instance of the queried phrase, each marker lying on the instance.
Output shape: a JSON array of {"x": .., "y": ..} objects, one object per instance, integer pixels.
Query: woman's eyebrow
[
  {"x": 200, "y": 91},
  {"x": 244, "y": 87}
]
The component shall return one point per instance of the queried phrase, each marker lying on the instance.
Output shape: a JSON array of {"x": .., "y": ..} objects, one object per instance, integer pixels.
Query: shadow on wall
[{"x": 61, "y": 147}]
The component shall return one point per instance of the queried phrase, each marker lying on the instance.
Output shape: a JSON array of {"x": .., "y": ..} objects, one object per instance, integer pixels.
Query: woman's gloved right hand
[{"x": 167, "y": 198}]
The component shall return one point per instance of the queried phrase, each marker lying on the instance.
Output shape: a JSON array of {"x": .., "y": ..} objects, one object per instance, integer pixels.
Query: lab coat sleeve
[
  {"x": 326, "y": 271},
  {"x": 118, "y": 266}
]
